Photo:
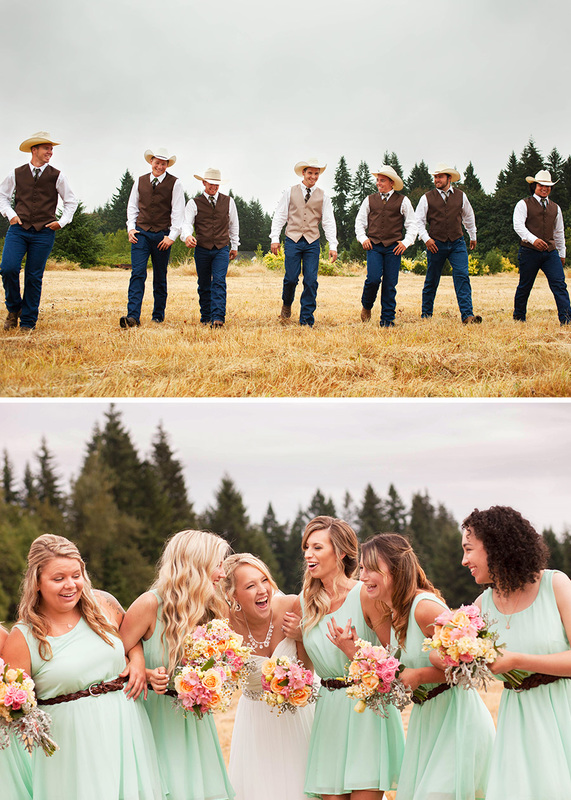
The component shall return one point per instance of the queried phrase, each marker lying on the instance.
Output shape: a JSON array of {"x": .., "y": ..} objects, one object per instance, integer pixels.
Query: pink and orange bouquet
[
  {"x": 374, "y": 676},
  {"x": 287, "y": 685},
  {"x": 214, "y": 665},
  {"x": 467, "y": 646},
  {"x": 19, "y": 713}
]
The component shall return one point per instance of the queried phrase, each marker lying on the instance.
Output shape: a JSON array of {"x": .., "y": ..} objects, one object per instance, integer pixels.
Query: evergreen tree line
[{"x": 121, "y": 508}]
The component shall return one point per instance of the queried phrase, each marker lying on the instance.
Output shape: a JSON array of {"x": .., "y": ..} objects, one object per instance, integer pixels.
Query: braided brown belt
[
  {"x": 533, "y": 680},
  {"x": 335, "y": 683},
  {"x": 442, "y": 687},
  {"x": 92, "y": 691}
]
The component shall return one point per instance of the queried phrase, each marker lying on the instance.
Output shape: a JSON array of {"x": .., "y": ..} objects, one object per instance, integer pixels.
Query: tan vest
[
  {"x": 155, "y": 205},
  {"x": 212, "y": 225},
  {"x": 303, "y": 218},
  {"x": 36, "y": 201},
  {"x": 385, "y": 219},
  {"x": 541, "y": 222},
  {"x": 444, "y": 219}
]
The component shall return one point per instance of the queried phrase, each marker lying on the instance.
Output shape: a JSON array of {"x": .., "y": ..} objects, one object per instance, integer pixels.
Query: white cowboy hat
[
  {"x": 391, "y": 173},
  {"x": 41, "y": 137},
  {"x": 543, "y": 177},
  {"x": 162, "y": 153},
  {"x": 311, "y": 162},
  {"x": 211, "y": 176},
  {"x": 442, "y": 167}
]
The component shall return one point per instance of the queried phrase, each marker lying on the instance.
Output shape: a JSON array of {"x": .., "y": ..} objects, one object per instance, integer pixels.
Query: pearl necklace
[{"x": 254, "y": 642}]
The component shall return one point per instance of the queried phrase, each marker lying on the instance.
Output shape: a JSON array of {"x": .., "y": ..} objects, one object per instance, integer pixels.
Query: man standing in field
[
  {"x": 538, "y": 222},
  {"x": 444, "y": 210},
  {"x": 303, "y": 207},
  {"x": 36, "y": 187},
  {"x": 378, "y": 227},
  {"x": 154, "y": 218},
  {"x": 214, "y": 217}
]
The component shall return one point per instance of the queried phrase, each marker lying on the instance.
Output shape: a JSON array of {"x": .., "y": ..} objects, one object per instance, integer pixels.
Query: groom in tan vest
[{"x": 303, "y": 207}]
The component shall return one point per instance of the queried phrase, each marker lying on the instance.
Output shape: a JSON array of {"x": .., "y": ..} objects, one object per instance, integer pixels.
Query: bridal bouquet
[
  {"x": 374, "y": 682},
  {"x": 464, "y": 641},
  {"x": 19, "y": 713},
  {"x": 287, "y": 685},
  {"x": 214, "y": 665}
]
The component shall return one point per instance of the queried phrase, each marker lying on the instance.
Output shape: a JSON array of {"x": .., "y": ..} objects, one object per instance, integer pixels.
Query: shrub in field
[
  {"x": 79, "y": 241},
  {"x": 116, "y": 248},
  {"x": 493, "y": 260}
]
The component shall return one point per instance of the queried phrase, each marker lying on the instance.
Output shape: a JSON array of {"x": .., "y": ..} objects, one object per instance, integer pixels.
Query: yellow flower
[
  {"x": 370, "y": 680},
  {"x": 360, "y": 707},
  {"x": 460, "y": 619},
  {"x": 268, "y": 667},
  {"x": 11, "y": 675}
]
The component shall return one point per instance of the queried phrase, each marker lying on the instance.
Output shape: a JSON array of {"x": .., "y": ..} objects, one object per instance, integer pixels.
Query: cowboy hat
[
  {"x": 543, "y": 177},
  {"x": 211, "y": 176},
  {"x": 442, "y": 167},
  {"x": 162, "y": 153},
  {"x": 311, "y": 162},
  {"x": 389, "y": 172},
  {"x": 41, "y": 137}
]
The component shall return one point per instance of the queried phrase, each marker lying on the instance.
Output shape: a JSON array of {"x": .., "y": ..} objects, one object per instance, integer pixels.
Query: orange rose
[
  {"x": 275, "y": 685},
  {"x": 299, "y": 697},
  {"x": 268, "y": 667},
  {"x": 212, "y": 679},
  {"x": 370, "y": 680}
]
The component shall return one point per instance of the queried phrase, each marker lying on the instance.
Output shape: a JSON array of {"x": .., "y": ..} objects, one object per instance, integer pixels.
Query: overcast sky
[
  {"x": 253, "y": 87},
  {"x": 466, "y": 454}
]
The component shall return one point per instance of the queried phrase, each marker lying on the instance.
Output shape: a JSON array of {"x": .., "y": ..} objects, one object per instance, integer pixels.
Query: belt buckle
[{"x": 94, "y": 687}]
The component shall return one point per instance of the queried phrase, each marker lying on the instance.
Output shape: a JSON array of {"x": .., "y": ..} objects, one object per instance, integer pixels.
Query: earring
[{"x": 237, "y": 606}]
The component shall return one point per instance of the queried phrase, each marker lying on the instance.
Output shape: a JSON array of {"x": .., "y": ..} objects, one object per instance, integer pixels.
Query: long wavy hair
[
  {"x": 230, "y": 566},
  {"x": 184, "y": 583},
  {"x": 407, "y": 575},
  {"x": 42, "y": 551},
  {"x": 316, "y": 601}
]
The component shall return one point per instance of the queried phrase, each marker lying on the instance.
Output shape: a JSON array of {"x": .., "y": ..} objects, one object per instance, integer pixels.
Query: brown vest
[
  {"x": 385, "y": 219},
  {"x": 444, "y": 219},
  {"x": 541, "y": 222},
  {"x": 212, "y": 225},
  {"x": 155, "y": 205},
  {"x": 36, "y": 201},
  {"x": 303, "y": 218}
]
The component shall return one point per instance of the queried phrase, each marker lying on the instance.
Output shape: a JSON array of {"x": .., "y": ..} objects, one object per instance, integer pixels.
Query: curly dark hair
[{"x": 516, "y": 552}]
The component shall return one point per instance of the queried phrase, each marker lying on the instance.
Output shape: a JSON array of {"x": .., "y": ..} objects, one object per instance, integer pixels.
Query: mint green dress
[
  {"x": 106, "y": 744},
  {"x": 15, "y": 772},
  {"x": 449, "y": 738},
  {"x": 532, "y": 752},
  {"x": 188, "y": 748},
  {"x": 348, "y": 750}
]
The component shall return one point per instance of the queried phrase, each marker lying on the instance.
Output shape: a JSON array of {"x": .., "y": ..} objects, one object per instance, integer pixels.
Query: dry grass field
[{"x": 78, "y": 349}]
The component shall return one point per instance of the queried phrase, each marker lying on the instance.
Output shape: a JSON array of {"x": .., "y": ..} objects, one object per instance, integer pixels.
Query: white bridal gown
[{"x": 269, "y": 753}]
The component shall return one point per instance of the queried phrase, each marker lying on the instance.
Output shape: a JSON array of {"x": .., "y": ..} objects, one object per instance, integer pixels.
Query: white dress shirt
[
  {"x": 407, "y": 211},
  {"x": 519, "y": 220},
  {"x": 233, "y": 223},
  {"x": 63, "y": 189},
  {"x": 468, "y": 218},
  {"x": 177, "y": 206},
  {"x": 281, "y": 214}
]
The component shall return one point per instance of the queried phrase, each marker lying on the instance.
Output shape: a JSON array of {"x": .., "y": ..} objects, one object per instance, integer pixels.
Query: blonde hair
[
  {"x": 316, "y": 601},
  {"x": 230, "y": 566},
  {"x": 43, "y": 550},
  {"x": 407, "y": 575},
  {"x": 184, "y": 583}
]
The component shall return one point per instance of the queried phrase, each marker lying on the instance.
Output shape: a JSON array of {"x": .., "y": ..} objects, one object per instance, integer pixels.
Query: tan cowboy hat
[
  {"x": 311, "y": 162},
  {"x": 41, "y": 137},
  {"x": 211, "y": 176},
  {"x": 442, "y": 167},
  {"x": 162, "y": 153},
  {"x": 391, "y": 173},
  {"x": 543, "y": 177}
]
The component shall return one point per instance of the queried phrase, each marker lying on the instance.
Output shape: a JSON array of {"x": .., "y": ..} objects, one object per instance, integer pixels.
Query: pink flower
[{"x": 15, "y": 697}]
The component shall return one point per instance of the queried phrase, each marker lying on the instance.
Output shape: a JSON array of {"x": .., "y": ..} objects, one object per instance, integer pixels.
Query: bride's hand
[
  {"x": 291, "y": 626},
  {"x": 343, "y": 638}
]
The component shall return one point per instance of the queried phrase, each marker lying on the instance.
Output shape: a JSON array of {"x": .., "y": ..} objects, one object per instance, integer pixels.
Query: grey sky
[
  {"x": 464, "y": 453},
  {"x": 253, "y": 87}
]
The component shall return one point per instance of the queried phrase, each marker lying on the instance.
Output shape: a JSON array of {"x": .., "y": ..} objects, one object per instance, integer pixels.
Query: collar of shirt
[
  {"x": 304, "y": 188},
  {"x": 387, "y": 194},
  {"x": 445, "y": 194},
  {"x": 160, "y": 178},
  {"x": 32, "y": 168},
  {"x": 208, "y": 196},
  {"x": 540, "y": 199}
]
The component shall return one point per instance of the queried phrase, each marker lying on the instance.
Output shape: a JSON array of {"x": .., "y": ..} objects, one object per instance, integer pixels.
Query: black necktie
[
  {"x": 307, "y": 194},
  {"x": 212, "y": 201},
  {"x": 154, "y": 182},
  {"x": 446, "y": 196},
  {"x": 36, "y": 173},
  {"x": 385, "y": 198},
  {"x": 544, "y": 203}
]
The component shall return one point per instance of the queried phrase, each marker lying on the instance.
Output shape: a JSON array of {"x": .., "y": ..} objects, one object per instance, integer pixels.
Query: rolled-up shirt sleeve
[
  {"x": 328, "y": 223},
  {"x": 279, "y": 218}
]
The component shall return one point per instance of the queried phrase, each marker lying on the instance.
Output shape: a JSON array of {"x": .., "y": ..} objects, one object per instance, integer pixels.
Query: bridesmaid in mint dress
[
  {"x": 350, "y": 754},
  {"x": 15, "y": 763},
  {"x": 531, "y": 607},
  {"x": 440, "y": 760},
  {"x": 184, "y": 596},
  {"x": 67, "y": 641}
]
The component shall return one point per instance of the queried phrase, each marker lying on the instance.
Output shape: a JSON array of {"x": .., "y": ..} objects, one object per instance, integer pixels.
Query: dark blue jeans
[
  {"x": 383, "y": 268},
  {"x": 457, "y": 255},
  {"x": 298, "y": 254},
  {"x": 36, "y": 246},
  {"x": 147, "y": 245},
  {"x": 211, "y": 270},
  {"x": 530, "y": 262}
]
